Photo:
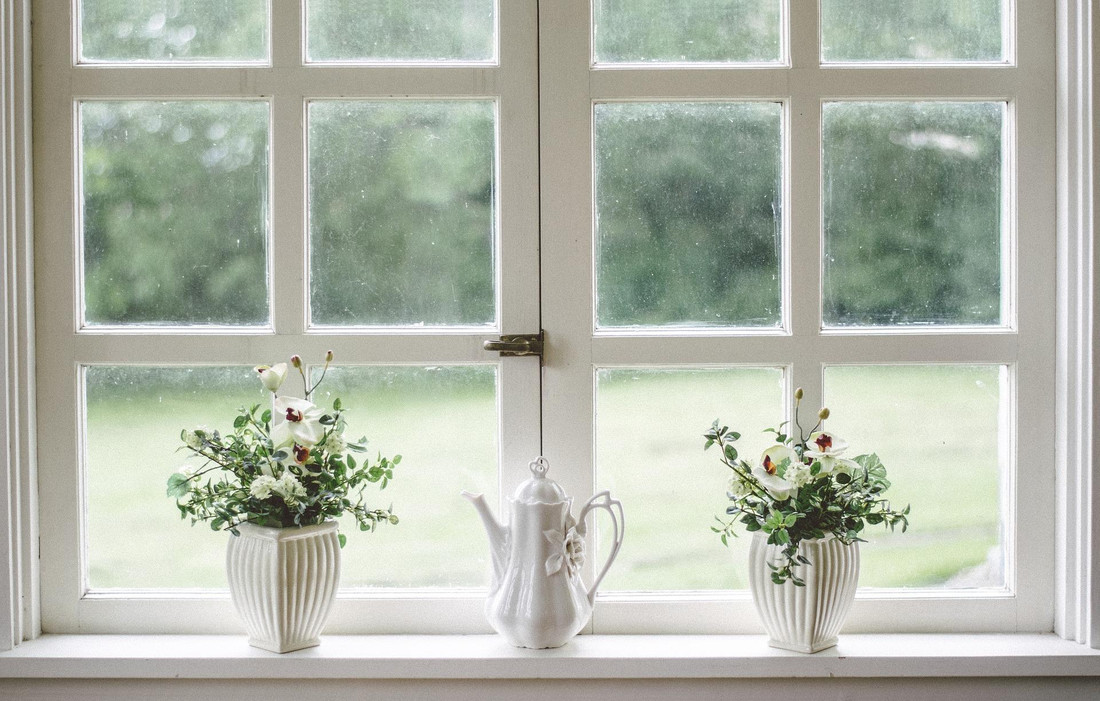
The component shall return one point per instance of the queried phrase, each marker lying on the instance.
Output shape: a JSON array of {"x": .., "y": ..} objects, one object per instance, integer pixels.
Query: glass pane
[
  {"x": 912, "y": 207},
  {"x": 134, "y": 419},
  {"x": 649, "y": 440},
  {"x": 938, "y": 430},
  {"x": 402, "y": 212},
  {"x": 401, "y": 30},
  {"x": 912, "y": 30},
  {"x": 443, "y": 422},
  {"x": 173, "y": 30},
  {"x": 688, "y": 223},
  {"x": 392, "y": 406},
  {"x": 175, "y": 199},
  {"x": 687, "y": 31}
]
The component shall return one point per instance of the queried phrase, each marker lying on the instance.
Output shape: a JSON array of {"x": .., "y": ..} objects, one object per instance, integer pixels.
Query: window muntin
[{"x": 170, "y": 31}]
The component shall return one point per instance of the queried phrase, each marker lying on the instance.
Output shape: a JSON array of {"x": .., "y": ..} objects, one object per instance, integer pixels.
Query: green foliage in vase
[
  {"x": 281, "y": 467},
  {"x": 802, "y": 489}
]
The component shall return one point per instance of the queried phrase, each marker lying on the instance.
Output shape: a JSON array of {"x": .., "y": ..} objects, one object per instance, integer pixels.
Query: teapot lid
[{"x": 539, "y": 489}]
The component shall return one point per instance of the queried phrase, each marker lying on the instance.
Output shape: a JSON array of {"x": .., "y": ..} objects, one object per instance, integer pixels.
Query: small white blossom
[
  {"x": 262, "y": 486},
  {"x": 188, "y": 469},
  {"x": 335, "y": 444},
  {"x": 192, "y": 440},
  {"x": 289, "y": 488}
]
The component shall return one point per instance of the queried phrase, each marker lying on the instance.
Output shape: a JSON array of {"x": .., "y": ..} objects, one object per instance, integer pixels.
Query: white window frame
[
  {"x": 1076, "y": 598},
  {"x": 571, "y": 85},
  {"x": 287, "y": 83}
]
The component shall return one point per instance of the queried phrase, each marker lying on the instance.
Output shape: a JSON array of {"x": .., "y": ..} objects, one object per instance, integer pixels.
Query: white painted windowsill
[{"x": 586, "y": 657}]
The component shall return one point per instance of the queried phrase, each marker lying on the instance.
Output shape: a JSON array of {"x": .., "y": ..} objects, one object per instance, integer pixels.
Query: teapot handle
[{"x": 614, "y": 507}]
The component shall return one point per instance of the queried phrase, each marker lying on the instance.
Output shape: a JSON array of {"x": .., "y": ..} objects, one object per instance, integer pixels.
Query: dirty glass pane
[
  {"x": 402, "y": 212},
  {"x": 913, "y": 201},
  {"x": 401, "y": 30},
  {"x": 442, "y": 420},
  {"x": 649, "y": 439},
  {"x": 912, "y": 30},
  {"x": 688, "y": 214},
  {"x": 687, "y": 31},
  {"x": 940, "y": 432},
  {"x": 173, "y": 30},
  {"x": 175, "y": 212},
  {"x": 125, "y": 478}
]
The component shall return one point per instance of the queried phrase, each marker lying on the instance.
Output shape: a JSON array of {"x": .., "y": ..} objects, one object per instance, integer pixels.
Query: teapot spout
[{"x": 498, "y": 534}]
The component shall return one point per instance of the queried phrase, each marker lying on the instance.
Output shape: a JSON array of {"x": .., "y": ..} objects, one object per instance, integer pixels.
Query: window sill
[{"x": 587, "y": 657}]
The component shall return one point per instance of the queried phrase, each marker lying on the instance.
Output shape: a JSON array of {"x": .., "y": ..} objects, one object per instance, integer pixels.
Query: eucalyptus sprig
[
  {"x": 286, "y": 466},
  {"x": 802, "y": 489}
]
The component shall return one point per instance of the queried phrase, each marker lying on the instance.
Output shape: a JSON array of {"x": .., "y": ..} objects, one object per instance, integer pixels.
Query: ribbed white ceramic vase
[
  {"x": 283, "y": 583},
  {"x": 805, "y": 619}
]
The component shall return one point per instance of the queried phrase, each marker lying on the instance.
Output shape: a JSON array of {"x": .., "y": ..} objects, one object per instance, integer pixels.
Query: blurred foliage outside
[{"x": 173, "y": 30}]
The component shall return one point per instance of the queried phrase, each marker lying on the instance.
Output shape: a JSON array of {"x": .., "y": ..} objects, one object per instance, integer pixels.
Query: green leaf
[
  {"x": 341, "y": 537},
  {"x": 241, "y": 421},
  {"x": 730, "y": 452},
  {"x": 336, "y": 405},
  {"x": 179, "y": 485}
]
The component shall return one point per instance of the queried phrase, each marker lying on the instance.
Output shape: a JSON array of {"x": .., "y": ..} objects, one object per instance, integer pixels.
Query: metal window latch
[{"x": 511, "y": 345}]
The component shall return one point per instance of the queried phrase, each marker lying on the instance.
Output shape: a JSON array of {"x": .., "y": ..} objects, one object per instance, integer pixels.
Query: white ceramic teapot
[{"x": 536, "y": 597}]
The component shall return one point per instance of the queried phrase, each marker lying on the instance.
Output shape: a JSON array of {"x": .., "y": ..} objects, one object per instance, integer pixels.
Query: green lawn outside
[{"x": 934, "y": 427}]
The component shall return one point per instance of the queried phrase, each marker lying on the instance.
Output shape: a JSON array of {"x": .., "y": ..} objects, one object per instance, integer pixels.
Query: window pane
[
  {"x": 912, "y": 30},
  {"x": 939, "y": 432},
  {"x": 402, "y": 212},
  {"x": 175, "y": 199},
  {"x": 912, "y": 207},
  {"x": 392, "y": 406},
  {"x": 134, "y": 418},
  {"x": 688, "y": 214},
  {"x": 170, "y": 30},
  {"x": 401, "y": 30},
  {"x": 443, "y": 422},
  {"x": 725, "y": 31},
  {"x": 649, "y": 440}
]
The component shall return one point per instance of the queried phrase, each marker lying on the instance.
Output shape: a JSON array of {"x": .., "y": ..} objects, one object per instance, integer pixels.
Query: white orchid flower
[
  {"x": 778, "y": 487},
  {"x": 773, "y": 456},
  {"x": 825, "y": 445},
  {"x": 297, "y": 421},
  {"x": 272, "y": 375}
]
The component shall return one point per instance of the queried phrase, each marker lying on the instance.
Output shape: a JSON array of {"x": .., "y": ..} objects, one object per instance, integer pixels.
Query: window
[{"x": 701, "y": 219}]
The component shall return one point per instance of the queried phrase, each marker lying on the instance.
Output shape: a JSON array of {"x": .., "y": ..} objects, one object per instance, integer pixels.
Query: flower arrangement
[
  {"x": 803, "y": 488},
  {"x": 285, "y": 466}
]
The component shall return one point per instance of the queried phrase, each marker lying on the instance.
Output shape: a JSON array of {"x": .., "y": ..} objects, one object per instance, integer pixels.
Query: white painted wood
[
  {"x": 1077, "y": 598},
  {"x": 18, "y": 547},
  {"x": 591, "y": 657},
  {"x": 1024, "y": 343},
  {"x": 568, "y": 85}
]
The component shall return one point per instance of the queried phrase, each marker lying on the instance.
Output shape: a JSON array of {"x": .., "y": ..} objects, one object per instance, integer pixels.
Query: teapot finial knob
[{"x": 539, "y": 466}]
